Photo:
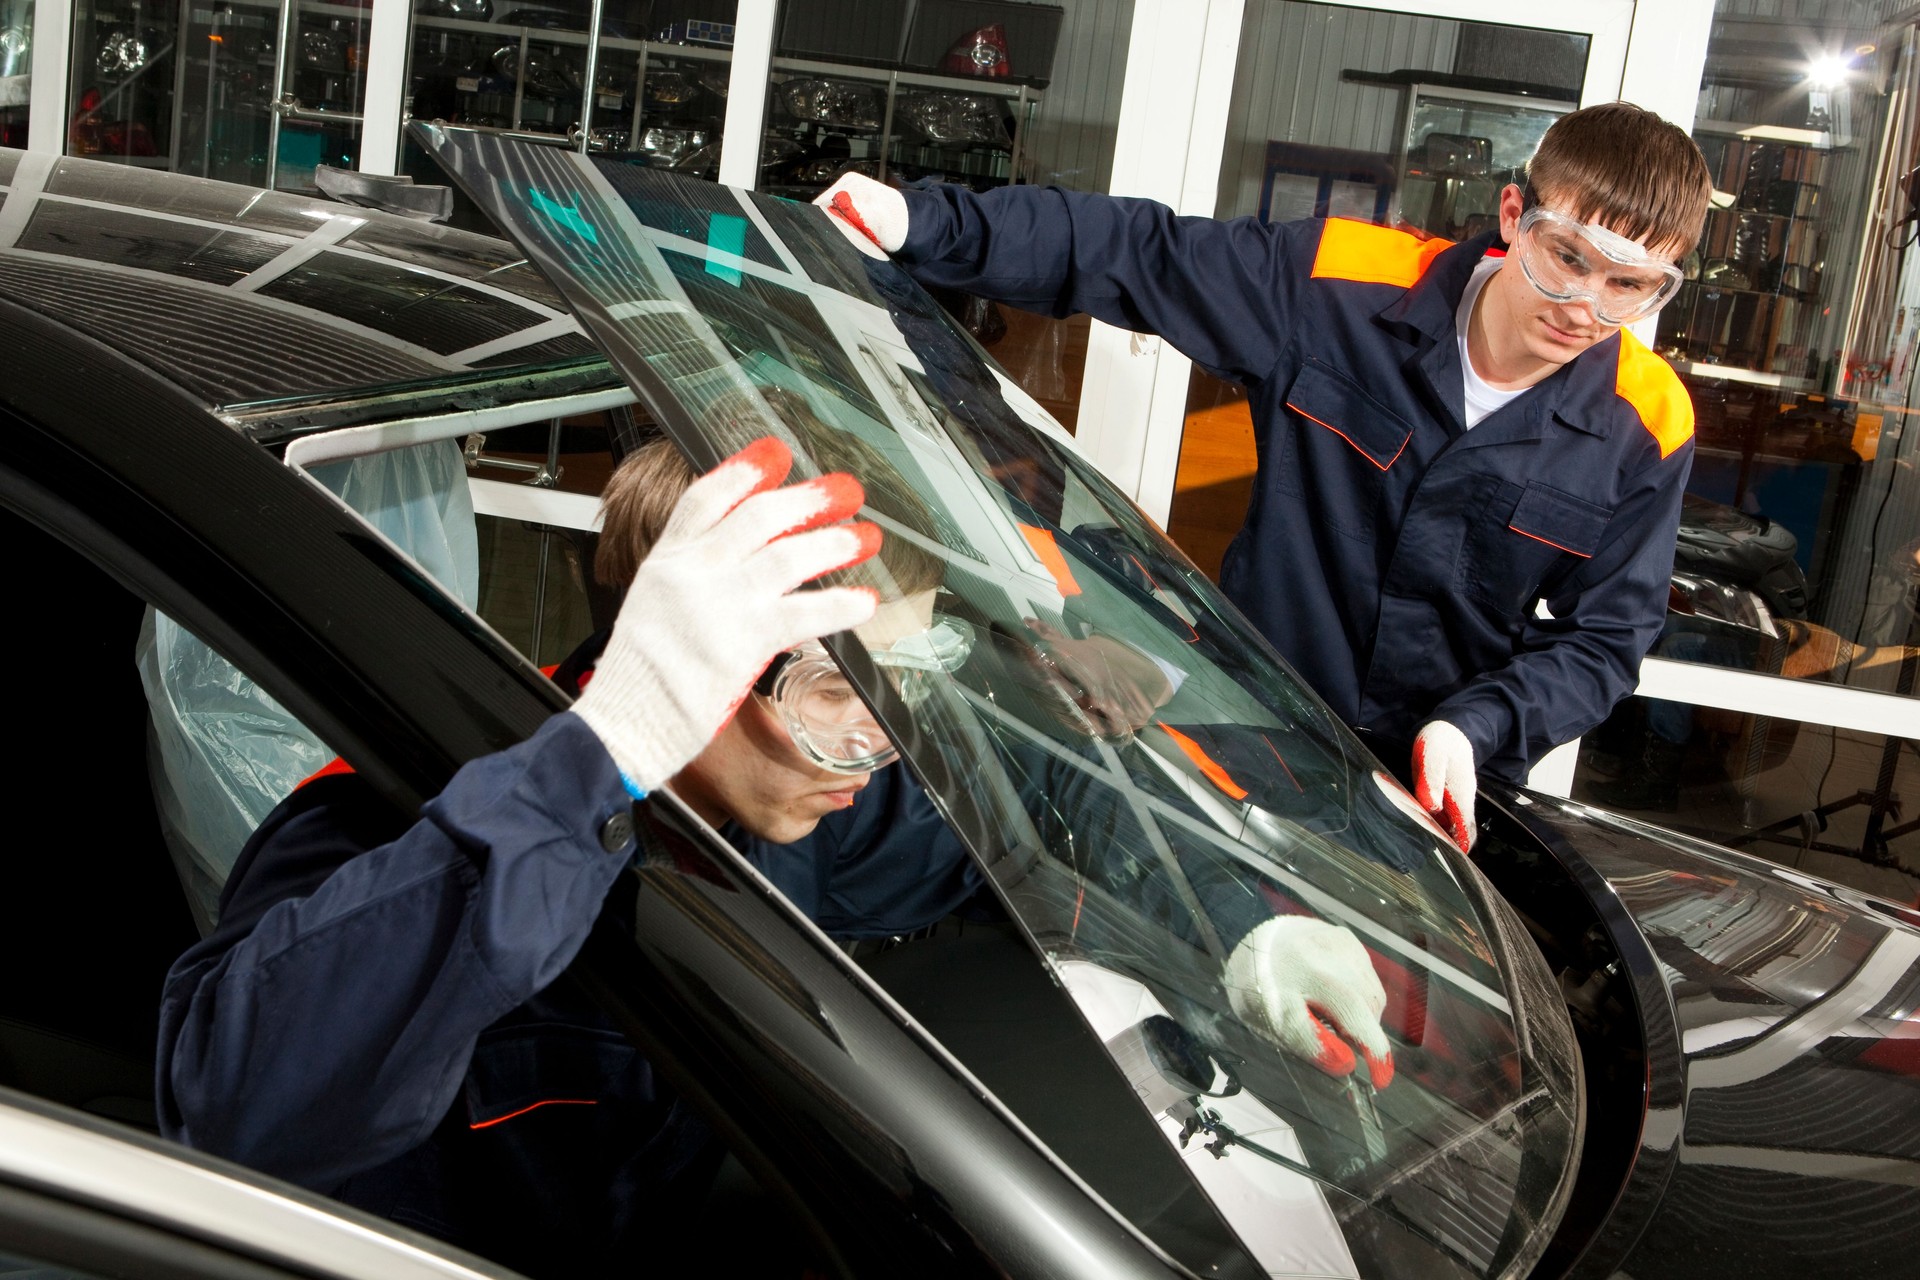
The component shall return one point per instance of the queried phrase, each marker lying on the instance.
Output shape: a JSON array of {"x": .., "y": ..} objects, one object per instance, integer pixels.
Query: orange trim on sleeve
[
  {"x": 1584, "y": 555},
  {"x": 1649, "y": 384},
  {"x": 1051, "y": 558},
  {"x": 1373, "y": 254},
  {"x": 327, "y": 770},
  {"x": 544, "y": 1102},
  {"x": 1207, "y": 765}
]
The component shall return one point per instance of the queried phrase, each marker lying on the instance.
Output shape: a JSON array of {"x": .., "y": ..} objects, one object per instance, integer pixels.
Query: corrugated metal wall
[
  {"x": 1814, "y": 12},
  {"x": 1287, "y": 85},
  {"x": 1071, "y": 143}
]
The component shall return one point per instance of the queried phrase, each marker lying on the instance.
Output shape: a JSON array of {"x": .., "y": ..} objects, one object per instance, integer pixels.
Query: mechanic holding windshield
[{"x": 1446, "y": 434}]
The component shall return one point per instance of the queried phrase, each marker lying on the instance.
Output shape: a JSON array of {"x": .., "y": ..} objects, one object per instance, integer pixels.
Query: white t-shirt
[{"x": 1481, "y": 399}]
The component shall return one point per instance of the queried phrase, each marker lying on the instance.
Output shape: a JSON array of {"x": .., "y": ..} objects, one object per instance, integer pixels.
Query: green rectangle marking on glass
[{"x": 729, "y": 235}]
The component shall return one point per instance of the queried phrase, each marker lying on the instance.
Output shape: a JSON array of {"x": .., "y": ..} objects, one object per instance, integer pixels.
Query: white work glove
[
  {"x": 1444, "y": 781},
  {"x": 871, "y": 214},
  {"x": 1309, "y": 987},
  {"x": 715, "y": 601}
]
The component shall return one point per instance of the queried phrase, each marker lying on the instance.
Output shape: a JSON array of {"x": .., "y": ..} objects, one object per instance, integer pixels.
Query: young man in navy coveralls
[
  {"x": 1447, "y": 434},
  {"x": 375, "y": 1015}
]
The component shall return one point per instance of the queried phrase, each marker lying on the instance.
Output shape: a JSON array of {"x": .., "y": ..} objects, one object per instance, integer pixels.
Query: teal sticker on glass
[
  {"x": 728, "y": 234},
  {"x": 566, "y": 215}
]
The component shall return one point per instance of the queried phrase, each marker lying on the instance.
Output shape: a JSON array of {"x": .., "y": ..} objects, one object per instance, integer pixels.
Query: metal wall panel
[
  {"x": 1071, "y": 143},
  {"x": 1287, "y": 86}
]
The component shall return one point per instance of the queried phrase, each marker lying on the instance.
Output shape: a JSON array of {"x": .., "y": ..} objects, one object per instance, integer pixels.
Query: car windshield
[{"x": 1142, "y": 779}]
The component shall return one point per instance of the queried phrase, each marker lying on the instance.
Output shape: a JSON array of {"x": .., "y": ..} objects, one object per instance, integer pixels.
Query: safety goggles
[
  {"x": 825, "y": 716},
  {"x": 1572, "y": 261}
]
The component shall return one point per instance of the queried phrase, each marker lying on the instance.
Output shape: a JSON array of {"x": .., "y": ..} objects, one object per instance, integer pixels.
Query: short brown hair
[
  {"x": 634, "y": 508},
  {"x": 642, "y": 492},
  {"x": 1625, "y": 168}
]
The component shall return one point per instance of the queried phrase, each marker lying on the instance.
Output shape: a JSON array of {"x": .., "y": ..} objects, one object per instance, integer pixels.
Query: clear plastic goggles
[
  {"x": 1572, "y": 261},
  {"x": 824, "y": 714}
]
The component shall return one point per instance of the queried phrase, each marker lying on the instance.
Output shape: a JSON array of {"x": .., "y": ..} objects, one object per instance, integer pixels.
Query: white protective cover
[{"x": 221, "y": 753}]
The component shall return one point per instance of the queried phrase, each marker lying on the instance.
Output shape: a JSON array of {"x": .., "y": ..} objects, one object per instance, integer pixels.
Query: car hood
[{"x": 1781, "y": 1054}]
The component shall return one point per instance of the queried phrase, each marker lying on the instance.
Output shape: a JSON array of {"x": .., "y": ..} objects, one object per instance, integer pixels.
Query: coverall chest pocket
[
  {"x": 1342, "y": 447},
  {"x": 1517, "y": 536}
]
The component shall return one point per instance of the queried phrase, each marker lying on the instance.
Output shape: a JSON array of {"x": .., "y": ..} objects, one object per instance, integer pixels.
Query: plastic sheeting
[{"x": 221, "y": 752}]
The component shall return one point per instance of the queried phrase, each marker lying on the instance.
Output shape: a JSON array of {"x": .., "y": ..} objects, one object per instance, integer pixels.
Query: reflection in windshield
[{"x": 1143, "y": 780}]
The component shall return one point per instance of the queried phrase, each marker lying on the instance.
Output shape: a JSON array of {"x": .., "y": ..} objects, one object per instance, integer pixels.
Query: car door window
[{"x": 223, "y": 751}]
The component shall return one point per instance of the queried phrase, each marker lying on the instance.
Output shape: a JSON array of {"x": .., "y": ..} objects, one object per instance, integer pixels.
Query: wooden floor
[{"x": 1215, "y": 480}]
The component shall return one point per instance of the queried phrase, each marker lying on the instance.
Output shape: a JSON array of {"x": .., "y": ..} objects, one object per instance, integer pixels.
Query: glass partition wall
[
  {"x": 1799, "y": 551},
  {"x": 977, "y": 92}
]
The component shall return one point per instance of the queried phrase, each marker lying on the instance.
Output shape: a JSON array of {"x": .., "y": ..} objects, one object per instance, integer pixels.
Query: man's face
[
  {"x": 752, "y": 773},
  {"x": 1549, "y": 332}
]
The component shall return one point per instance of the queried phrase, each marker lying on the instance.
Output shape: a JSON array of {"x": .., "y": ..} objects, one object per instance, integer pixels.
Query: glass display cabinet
[
  {"x": 824, "y": 119},
  {"x": 235, "y": 90},
  {"x": 940, "y": 88},
  {"x": 1753, "y": 290}
]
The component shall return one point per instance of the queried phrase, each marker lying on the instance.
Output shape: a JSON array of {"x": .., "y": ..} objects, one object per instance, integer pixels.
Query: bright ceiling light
[{"x": 1827, "y": 70}]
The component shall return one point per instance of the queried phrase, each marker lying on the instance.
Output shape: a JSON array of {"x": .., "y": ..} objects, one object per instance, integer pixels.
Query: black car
[{"x": 263, "y": 444}]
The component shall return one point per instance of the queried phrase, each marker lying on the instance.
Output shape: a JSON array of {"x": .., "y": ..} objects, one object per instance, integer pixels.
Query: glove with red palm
[
  {"x": 1309, "y": 986},
  {"x": 1444, "y": 781},
  {"x": 716, "y": 598},
  {"x": 871, "y": 214}
]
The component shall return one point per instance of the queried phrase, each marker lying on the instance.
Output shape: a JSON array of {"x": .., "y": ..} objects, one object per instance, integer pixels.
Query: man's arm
[
  {"x": 1221, "y": 292},
  {"x": 325, "y": 1026},
  {"x": 1573, "y": 667}
]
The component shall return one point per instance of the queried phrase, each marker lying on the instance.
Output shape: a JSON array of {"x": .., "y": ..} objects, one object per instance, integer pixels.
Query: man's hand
[
  {"x": 1443, "y": 780},
  {"x": 1117, "y": 686},
  {"x": 872, "y": 214},
  {"x": 715, "y": 600},
  {"x": 1309, "y": 987}
]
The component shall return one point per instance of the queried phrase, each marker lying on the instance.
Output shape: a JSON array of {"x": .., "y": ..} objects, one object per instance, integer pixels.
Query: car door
[{"x": 84, "y": 1200}]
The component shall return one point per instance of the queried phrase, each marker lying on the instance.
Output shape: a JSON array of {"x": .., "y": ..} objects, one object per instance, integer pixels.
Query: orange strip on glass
[
  {"x": 1207, "y": 765},
  {"x": 1055, "y": 563}
]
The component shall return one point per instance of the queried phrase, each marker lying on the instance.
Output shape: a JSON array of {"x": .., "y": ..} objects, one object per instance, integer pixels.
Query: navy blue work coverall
[
  {"x": 376, "y": 1017},
  {"x": 1392, "y": 556}
]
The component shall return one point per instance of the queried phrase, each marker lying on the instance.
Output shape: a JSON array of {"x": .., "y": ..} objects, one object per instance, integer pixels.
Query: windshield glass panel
[{"x": 1142, "y": 779}]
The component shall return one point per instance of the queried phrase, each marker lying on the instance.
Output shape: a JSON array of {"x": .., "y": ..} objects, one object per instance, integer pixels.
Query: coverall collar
[{"x": 1579, "y": 395}]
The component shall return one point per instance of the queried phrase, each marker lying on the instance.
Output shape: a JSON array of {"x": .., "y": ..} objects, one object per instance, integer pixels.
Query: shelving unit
[
  {"x": 1754, "y": 288},
  {"x": 1002, "y": 112},
  {"x": 680, "y": 128}
]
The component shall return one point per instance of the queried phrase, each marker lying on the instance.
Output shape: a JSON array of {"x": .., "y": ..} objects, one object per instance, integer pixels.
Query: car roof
[{"x": 279, "y": 311}]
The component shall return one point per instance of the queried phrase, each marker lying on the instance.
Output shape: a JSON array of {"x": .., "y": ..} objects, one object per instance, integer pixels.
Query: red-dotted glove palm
[
  {"x": 715, "y": 600},
  {"x": 1444, "y": 781},
  {"x": 872, "y": 214},
  {"x": 1309, "y": 987}
]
